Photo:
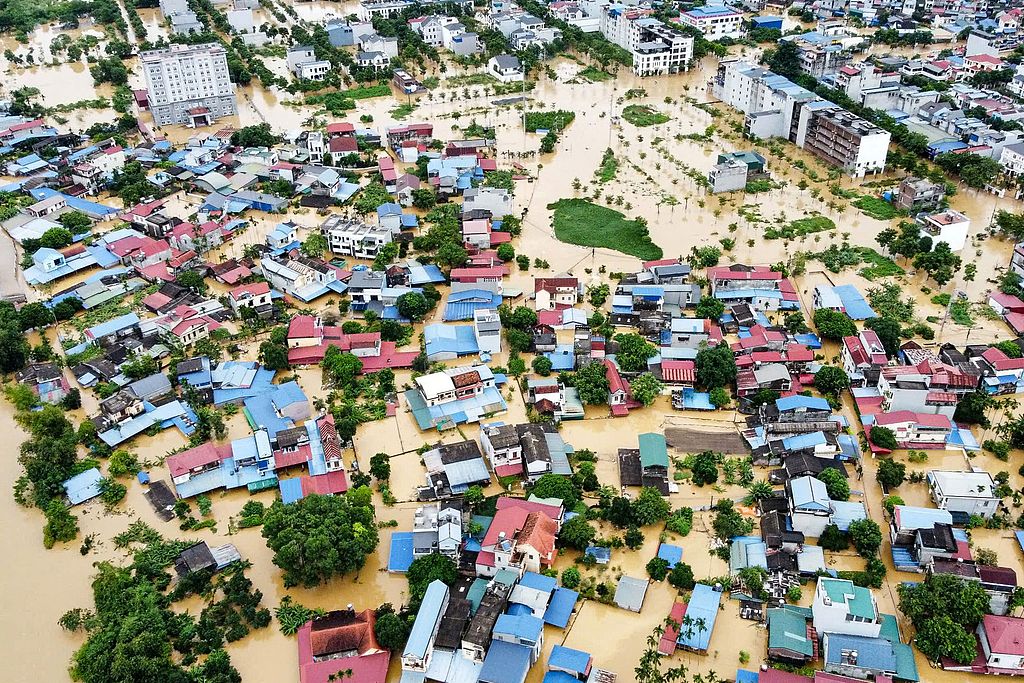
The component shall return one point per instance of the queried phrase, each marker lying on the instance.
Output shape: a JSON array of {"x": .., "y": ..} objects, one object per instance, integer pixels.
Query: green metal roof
[
  {"x": 653, "y": 451},
  {"x": 788, "y": 630},
  {"x": 476, "y": 593},
  {"x": 857, "y": 599},
  {"x": 890, "y": 630},
  {"x": 906, "y": 667}
]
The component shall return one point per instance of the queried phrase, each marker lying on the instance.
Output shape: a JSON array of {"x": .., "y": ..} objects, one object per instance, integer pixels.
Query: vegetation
[
  {"x": 578, "y": 221},
  {"x": 425, "y": 570},
  {"x": 945, "y": 609},
  {"x": 644, "y": 115},
  {"x": 554, "y": 121}
]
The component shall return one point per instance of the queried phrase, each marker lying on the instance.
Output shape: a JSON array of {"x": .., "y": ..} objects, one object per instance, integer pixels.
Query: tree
[
  {"x": 75, "y": 222},
  {"x": 541, "y": 364},
  {"x": 835, "y": 483},
  {"x": 888, "y": 331},
  {"x": 891, "y": 473},
  {"x": 883, "y": 437},
  {"x": 556, "y": 486},
  {"x": 519, "y": 318},
  {"x": 35, "y": 315},
  {"x": 571, "y": 577},
  {"x": 634, "y": 538},
  {"x": 425, "y": 570},
  {"x": 506, "y": 252},
  {"x": 657, "y": 568},
  {"x": 709, "y": 308},
  {"x": 728, "y": 522},
  {"x": 832, "y": 538},
  {"x": 577, "y": 533},
  {"x": 833, "y": 325},
  {"x": 274, "y": 356},
  {"x": 192, "y": 280},
  {"x": 704, "y": 469},
  {"x": 831, "y": 380},
  {"x": 964, "y": 602},
  {"x": 591, "y": 382},
  {"x": 386, "y": 255},
  {"x": 633, "y": 352},
  {"x": 720, "y": 397},
  {"x": 391, "y": 630},
  {"x": 785, "y": 59},
  {"x": 413, "y": 306},
  {"x": 716, "y": 366},
  {"x": 795, "y": 323},
  {"x": 650, "y": 507},
  {"x": 764, "y": 396},
  {"x": 341, "y": 366},
  {"x": 520, "y": 341},
  {"x": 314, "y": 246},
  {"x": 645, "y": 388},
  {"x": 141, "y": 365},
  {"x": 757, "y": 492},
  {"x": 940, "y": 263},
  {"x": 972, "y": 408},
  {"x": 474, "y": 496},
  {"x": 318, "y": 537},
  {"x": 451, "y": 255},
  {"x": 681, "y": 577},
  {"x": 942, "y": 637},
  {"x": 259, "y": 135},
  {"x": 424, "y": 198},
  {"x": 380, "y": 467},
  {"x": 866, "y": 537},
  {"x": 61, "y": 525}
]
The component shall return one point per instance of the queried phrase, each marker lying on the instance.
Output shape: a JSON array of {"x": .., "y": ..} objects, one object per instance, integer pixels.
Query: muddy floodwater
[{"x": 654, "y": 179}]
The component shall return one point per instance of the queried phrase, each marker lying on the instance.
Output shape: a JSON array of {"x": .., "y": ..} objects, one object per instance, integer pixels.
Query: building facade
[{"x": 189, "y": 84}]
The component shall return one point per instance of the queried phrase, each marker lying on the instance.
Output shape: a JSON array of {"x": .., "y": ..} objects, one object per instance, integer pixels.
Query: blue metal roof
[
  {"x": 809, "y": 493},
  {"x": 559, "y": 677},
  {"x": 803, "y": 441},
  {"x": 538, "y": 582},
  {"x": 873, "y": 653},
  {"x": 921, "y": 518},
  {"x": 401, "y": 551},
  {"x": 506, "y": 663},
  {"x": 844, "y": 512},
  {"x": 703, "y": 605},
  {"x": 559, "y": 610},
  {"x": 520, "y": 626},
  {"x": 742, "y": 675},
  {"x": 291, "y": 490},
  {"x": 856, "y": 305},
  {"x": 599, "y": 553},
  {"x": 568, "y": 659},
  {"x": 444, "y": 339},
  {"x": 672, "y": 554},
  {"x": 122, "y": 322},
  {"x": 427, "y": 619},
  {"x": 83, "y": 486},
  {"x": 798, "y": 401}
]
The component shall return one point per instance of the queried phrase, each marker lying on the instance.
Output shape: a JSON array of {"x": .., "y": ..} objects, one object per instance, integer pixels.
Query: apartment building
[
  {"x": 714, "y": 21},
  {"x": 189, "y": 84},
  {"x": 846, "y": 140},
  {"x": 655, "y": 47},
  {"x": 354, "y": 238}
]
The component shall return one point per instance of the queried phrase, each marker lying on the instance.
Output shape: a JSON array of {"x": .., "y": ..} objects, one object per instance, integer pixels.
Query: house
[
  {"x": 619, "y": 397},
  {"x": 1000, "y": 648},
  {"x": 791, "y": 639},
  {"x": 561, "y": 291},
  {"x": 487, "y": 330},
  {"x": 526, "y": 630},
  {"x": 715, "y": 21},
  {"x": 868, "y": 657},
  {"x": 453, "y": 396},
  {"x": 863, "y": 355},
  {"x": 999, "y": 582},
  {"x": 547, "y": 396},
  {"x": 419, "y": 646},
  {"x": 630, "y": 593},
  {"x": 532, "y": 450},
  {"x": 907, "y": 521},
  {"x": 810, "y": 507},
  {"x": 342, "y": 640},
  {"x": 916, "y": 430},
  {"x": 972, "y": 493},
  {"x": 915, "y": 194},
  {"x": 506, "y": 68},
  {"x": 255, "y": 297},
  {"x": 46, "y": 380},
  {"x": 452, "y": 468},
  {"x": 437, "y": 528},
  {"x": 521, "y": 537},
  {"x": 840, "y": 607},
  {"x": 646, "y": 465},
  {"x": 947, "y": 226},
  {"x": 355, "y": 238}
]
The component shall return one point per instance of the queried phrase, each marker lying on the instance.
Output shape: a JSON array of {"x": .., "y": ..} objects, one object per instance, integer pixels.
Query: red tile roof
[
  {"x": 678, "y": 371},
  {"x": 539, "y": 533},
  {"x": 203, "y": 455},
  {"x": 1005, "y": 635},
  {"x": 923, "y": 419},
  {"x": 302, "y": 327},
  {"x": 252, "y": 289},
  {"x": 340, "y": 127}
]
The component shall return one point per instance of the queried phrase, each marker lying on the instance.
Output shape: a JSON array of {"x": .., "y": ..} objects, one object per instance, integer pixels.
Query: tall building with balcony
[
  {"x": 846, "y": 140},
  {"x": 656, "y": 48},
  {"x": 189, "y": 84}
]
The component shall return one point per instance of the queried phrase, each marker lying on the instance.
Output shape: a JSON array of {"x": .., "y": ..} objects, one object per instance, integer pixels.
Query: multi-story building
[
  {"x": 714, "y": 21},
  {"x": 972, "y": 493},
  {"x": 304, "y": 65},
  {"x": 355, "y": 238},
  {"x": 189, "y": 84},
  {"x": 917, "y": 194},
  {"x": 947, "y": 226},
  {"x": 655, "y": 47},
  {"x": 846, "y": 140},
  {"x": 841, "y": 607}
]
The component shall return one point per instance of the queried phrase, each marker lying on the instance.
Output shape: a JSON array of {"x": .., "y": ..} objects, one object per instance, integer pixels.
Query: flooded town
[{"x": 512, "y": 341}]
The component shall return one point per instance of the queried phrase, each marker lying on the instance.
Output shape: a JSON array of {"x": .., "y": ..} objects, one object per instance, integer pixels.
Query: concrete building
[
  {"x": 487, "y": 330},
  {"x": 714, "y": 21},
  {"x": 968, "y": 492},
  {"x": 846, "y": 141},
  {"x": 655, "y": 47},
  {"x": 189, "y": 84},
  {"x": 506, "y": 68},
  {"x": 917, "y": 194},
  {"x": 841, "y": 607},
  {"x": 304, "y": 65},
  {"x": 947, "y": 226},
  {"x": 354, "y": 238}
]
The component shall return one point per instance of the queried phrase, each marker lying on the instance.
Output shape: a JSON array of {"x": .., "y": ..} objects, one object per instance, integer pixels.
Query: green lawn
[
  {"x": 609, "y": 166},
  {"x": 800, "y": 227},
  {"x": 594, "y": 75},
  {"x": 644, "y": 115},
  {"x": 874, "y": 207},
  {"x": 578, "y": 221},
  {"x": 548, "y": 120}
]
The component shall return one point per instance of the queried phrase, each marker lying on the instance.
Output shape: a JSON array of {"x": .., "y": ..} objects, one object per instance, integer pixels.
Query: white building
[
  {"x": 354, "y": 238},
  {"x": 497, "y": 200},
  {"x": 189, "y": 84},
  {"x": 304, "y": 65},
  {"x": 972, "y": 493},
  {"x": 655, "y": 47},
  {"x": 506, "y": 68},
  {"x": 947, "y": 226},
  {"x": 454, "y": 384},
  {"x": 1012, "y": 159},
  {"x": 487, "y": 329},
  {"x": 841, "y": 607},
  {"x": 714, "y": 21}
]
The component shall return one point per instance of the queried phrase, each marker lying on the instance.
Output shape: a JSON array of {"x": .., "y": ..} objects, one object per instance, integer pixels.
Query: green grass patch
[
  {"x": 878, "y": 265},
  {"x": 403, "y": 111},
  {"x": 366, "y": 91},
  {"x": 471, "y": 79},
  {"x": 608, "y": 168},
  {"x": 644, "y": 115},
  {"x": 800, "y": 227},
  {"x": 960, "y": 312},
  {"x": 761, "y": 185},
  {"x": 594, "y": 75},
  {"x": 839, "y": 258},
  {"x": 876, "y": 208},
  {"x": 580, "y": 222},
  {"x": 555, "y": 120},
  {"x": 941, "y": 299},
  {"x": 336, "y": 103}
]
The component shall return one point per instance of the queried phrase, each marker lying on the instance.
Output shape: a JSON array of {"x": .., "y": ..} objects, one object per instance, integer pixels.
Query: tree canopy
[
  {"x": 831, "y": 380},
  {"x": 716, "y": 366},
  {"x": 633, "y": 352},
  {"x": 427, "y": 569},
  {"x": 833, "y": 325}
]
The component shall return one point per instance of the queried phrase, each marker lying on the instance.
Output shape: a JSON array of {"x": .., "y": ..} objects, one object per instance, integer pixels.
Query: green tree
[
  {"x": 942, "y": 637},
  {"x": 75, "y": 222},
  {"x": 506, "y": 252},
  {"x": 650, "y": 507},
  {"x": 757, "y": 492},
  {"x": 709, "y": 308},
  {"x": 633, "y": 352},
  {"x": 704, "y": 469},
  {"x": 633, "y": 538},
  {"x": 259, "y": 135},
  {"x": 591, "y": 383},
  {"x": 657, "y": 568},
  {"x": 833, "y": 325},
  {"x": 972, "y": 408},
  {"x": 883, "y": 437},
  {"x": 192, "y": 280},
  {"x": 141, "y": 365},
  {"x": 413, "y": 306},
  {"x": 963, "y": 601},
  {"x": 319, "y": 537},
  {"x": 764, "y": 396},
  {"x": 571, "y": 577},
  {"x": 341, "y": 366},
  {"x": 716, "y": 366},
  {"x": 866, "y": 537},
  {"x": 425, "y": 570},
  {"x": 556, "y": 486},
  {"x": 720, "y": 397},
  {"x": 681, "y": 577},
  {"x": 645, "y": 388},
  {"x": 386, "y": 255},
  {"x": 380, "y": 466},
  {"x": 274, "y": 356},
  {"x": 728, "y": 522},
  {"x": 451, "y": 255},
  {"x": 424, "y": 198},
  {"x": 314, "y": 246},
  {"x": 831, "y": 380},
  {"x": 891, "y": 473},
  {"x": 541, "y": 365},
  {"x": 61, "y": 525},
  {"x": 473, "y": 497},
  {"x": 577, "y": 533},
  {"x": 835, "y": 483},
  {"x": 785, "y": 59},
  {"x": 888, "y": 331},
  {"x": 391, "y": 630},
  {"x": 832, "y": 538}
]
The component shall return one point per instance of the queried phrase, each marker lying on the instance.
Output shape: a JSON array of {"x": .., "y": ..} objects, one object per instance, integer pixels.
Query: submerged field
[{"x": 580, "y": 222}]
